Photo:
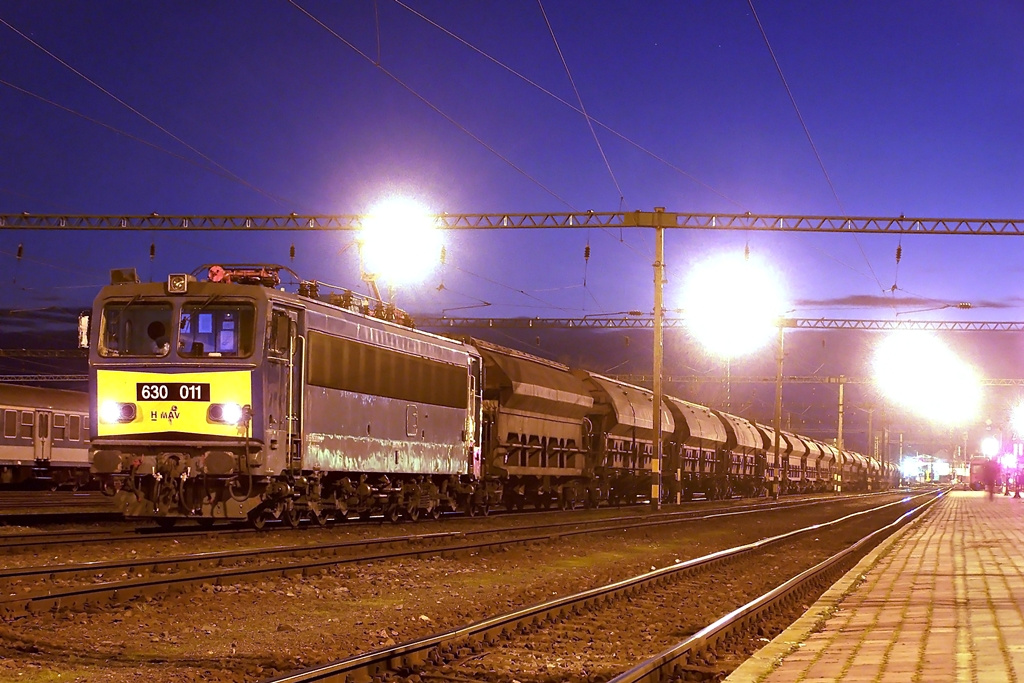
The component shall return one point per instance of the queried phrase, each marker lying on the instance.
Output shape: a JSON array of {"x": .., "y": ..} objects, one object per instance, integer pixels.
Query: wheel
[
  {"x": 393, "y": 513},
  {"x": 258, "y": 518},
  {"x": 413, "y": 514},
  {"x": 435, "y": 513},
  {"x": 484, "y": 510},
  {"x": 291, "y": 517},
  {"x": 320, "y": 517}
]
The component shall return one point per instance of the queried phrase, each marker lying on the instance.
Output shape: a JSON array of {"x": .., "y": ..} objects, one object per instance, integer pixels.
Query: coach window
[
  {"x": 60, "y": 425},
  {"x": 135, "y": 328},
  {"x": 221, "y": 330},
  {"x": 28, "y": 424},
  {"x": 10, "y": 424},
  {"x": 75, "y": 428}
]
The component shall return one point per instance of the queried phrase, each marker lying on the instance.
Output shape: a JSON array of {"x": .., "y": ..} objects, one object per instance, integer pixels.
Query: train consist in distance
[
  {"x": 45, "y": 437},
  {"x": 230, "y": 398}
]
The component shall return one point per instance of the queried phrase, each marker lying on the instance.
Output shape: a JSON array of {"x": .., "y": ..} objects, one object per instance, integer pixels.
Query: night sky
[{"x": 323, "y": 107}]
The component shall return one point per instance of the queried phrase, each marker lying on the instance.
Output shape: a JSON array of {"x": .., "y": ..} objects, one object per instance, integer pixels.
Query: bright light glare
[
  {"x": 1017, "y": 419},
  {"x": 732, "y": 304},
  {"x": 918, "y": 371},
  {"x": 400, "y": 241},
  {"x": 910, "y": 468},
  {"x": 231, "y": 413},
  {"x": 110, "y": 412},
  {"x": 989, "y": 446},
  {"x": 1009, "y": 461}
]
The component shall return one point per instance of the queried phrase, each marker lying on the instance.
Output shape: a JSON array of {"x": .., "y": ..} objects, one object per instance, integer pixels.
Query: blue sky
[
  {"x": 316, "y": 106},
  {"x": 257, "y": 108}
]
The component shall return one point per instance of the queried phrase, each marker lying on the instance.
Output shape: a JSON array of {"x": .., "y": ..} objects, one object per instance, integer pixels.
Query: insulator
[
  {"x": 899, "y": 253},
  {"x": 586, "y": 253},
  {"x": 291, "y": 252},
  {"x": 444, "y": 255},
  {"x": 21, "y": 251},
  {"x": 152, "y": 251},
  {"x": 965, "y": 305},
  {"x": 746, "y": 251}
]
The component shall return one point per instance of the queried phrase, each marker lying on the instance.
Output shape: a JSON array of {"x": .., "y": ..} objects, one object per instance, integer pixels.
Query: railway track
[
  {"x": 40, "y": 539},
  {"x": 33, "y": 590},
  {"x": 41, "y": 502},
  {"x": 565, "y": 627}
]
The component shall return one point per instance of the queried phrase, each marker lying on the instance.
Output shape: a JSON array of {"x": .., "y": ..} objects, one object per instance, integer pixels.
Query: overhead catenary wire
[
  {"x": 570, "y": 105},
  {"x": 670, "y": 268},
  {"x": 432, "y": 106},
  {"x": 181, "y": 157},
  {"x": 807, "y": 133},
  {"x": 579, "y": 99},
  {"x": 138, "y": 113}
]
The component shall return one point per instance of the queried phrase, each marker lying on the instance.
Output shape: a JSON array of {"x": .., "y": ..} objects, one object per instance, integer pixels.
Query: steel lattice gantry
[
  {"x": 648, "y": 322},
  {"x": 659, "y": 220},
  {"x": 495, "y": 221}
]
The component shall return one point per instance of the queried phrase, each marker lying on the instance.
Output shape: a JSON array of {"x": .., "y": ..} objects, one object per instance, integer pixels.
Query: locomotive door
[
  {"x": 284, "y": 389},
  {"x": 43, "y": 441}
]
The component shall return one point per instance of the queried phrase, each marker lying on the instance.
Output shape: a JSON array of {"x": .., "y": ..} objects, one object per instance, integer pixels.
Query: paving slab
[{"x": 941, "y": 600}]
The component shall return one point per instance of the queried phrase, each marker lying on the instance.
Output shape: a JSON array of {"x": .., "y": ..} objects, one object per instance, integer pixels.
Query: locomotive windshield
[
  {"x": 216, "y": 330},
  {"x": 134, "y": 328}
]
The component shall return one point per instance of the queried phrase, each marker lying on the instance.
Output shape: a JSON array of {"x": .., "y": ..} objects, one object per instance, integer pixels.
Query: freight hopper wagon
[
  {"x": 827, "y": 463},
  {"x": 536, "y": 432},
  {"x": 742, "y": 462},
  {"x": 778, "y": 474},
  {"x": 623, "y": 440},
  {"x": 856, "y": 472},
  {"x": 45, "y": 437},
  {"x": 692, "y": 456},
  {"x": 231, "y": 399}
]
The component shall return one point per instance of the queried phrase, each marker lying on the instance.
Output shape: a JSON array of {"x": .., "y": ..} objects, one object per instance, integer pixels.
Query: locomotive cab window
[
  {"x": 135, "y": 328},
  {"x": 218, "y": 330},
  {"x": 279, "y": 334}
]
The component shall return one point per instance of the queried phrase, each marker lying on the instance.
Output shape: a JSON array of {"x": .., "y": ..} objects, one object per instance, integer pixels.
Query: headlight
[
  {"x": 113, "y": 412},
  {"x": 227, "y": 413}
]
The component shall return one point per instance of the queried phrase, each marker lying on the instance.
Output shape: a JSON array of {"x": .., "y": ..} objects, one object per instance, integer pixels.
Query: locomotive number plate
[{"x": 172, "y": 391}]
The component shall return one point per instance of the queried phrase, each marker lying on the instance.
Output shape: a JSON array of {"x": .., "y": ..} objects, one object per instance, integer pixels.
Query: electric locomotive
[{"x": 230, "y": 398}]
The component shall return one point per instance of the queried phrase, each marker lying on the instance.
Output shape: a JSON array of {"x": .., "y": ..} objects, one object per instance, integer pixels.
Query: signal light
[{"x": 177, "y": 283}]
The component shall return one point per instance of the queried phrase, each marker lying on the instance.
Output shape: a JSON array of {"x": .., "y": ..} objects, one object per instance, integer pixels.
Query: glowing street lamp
[
  {"x": 1017, "y": 420},
  {"x": 399, "y": 241},
  {"x": 734, "y": 304},
  {"x": 989, "y": 446},
  {"x": 916, "y": 370}
]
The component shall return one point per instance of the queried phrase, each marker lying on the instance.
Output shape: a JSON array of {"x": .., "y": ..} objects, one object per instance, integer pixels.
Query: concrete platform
[{"x": 943, "y": 600}]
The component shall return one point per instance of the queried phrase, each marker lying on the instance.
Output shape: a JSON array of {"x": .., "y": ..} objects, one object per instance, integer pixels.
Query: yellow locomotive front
[{"x": 174, "y": 373}]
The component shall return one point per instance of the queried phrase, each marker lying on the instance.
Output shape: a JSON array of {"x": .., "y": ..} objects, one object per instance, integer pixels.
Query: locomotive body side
[{"x": 264, "y": 404}]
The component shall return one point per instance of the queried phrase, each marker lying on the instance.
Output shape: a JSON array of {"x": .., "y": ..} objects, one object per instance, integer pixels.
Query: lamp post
[{"x": 777, "y": 418}]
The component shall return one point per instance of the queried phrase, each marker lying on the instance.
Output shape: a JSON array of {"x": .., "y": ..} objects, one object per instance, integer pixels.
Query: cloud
[{"x": 902, "y": 302}]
